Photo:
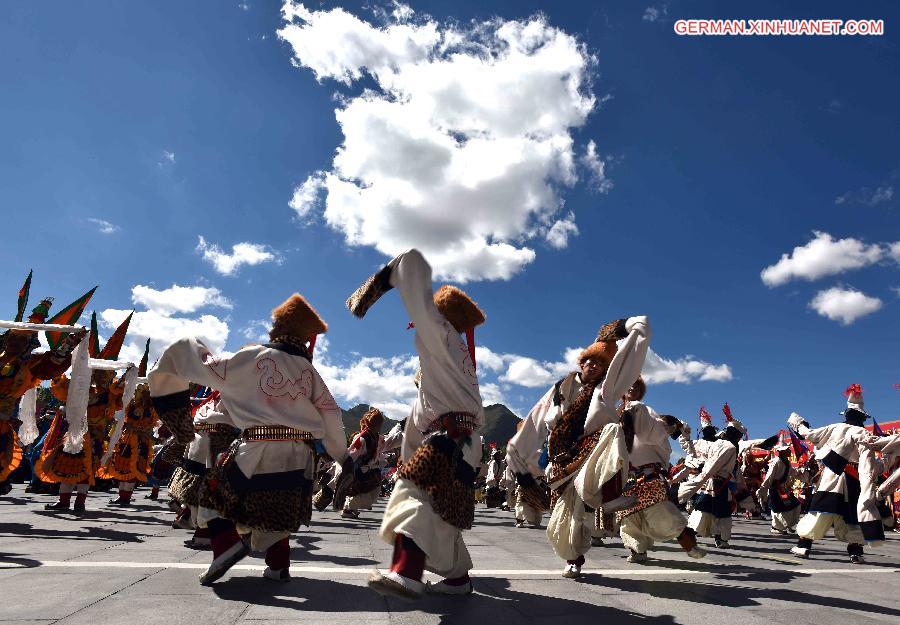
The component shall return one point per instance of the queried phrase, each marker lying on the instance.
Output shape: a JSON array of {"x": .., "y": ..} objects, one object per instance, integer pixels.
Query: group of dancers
[{"x": 264, "y": 443}]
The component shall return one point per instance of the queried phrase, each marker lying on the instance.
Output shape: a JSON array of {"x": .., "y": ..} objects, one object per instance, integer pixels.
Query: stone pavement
[{"x": 127, "y": 566}]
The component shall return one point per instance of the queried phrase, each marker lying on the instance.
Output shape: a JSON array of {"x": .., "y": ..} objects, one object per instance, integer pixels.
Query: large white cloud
[
  {"x": 241, "y": 254},
  {"x": 180, "y": 299},
  {"x": 822, "y": 256},
  {"x": 461, "y": 141},
  {"x": 162, "y": 326},
  {"x": 844, "y": 304}
]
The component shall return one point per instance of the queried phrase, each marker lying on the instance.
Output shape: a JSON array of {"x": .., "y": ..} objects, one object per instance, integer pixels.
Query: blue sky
[{"x": 666, "y": 176}]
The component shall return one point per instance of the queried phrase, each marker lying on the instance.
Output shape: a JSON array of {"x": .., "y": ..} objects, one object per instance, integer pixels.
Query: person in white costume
[
  {"x": 273, "y": 394},
  {"x": 654, "y": 518},
  {"x": 433, "y": 500},
  {"x": 835, "y": 502},
  {"x": 585, "y": 445},
  {"x": 776, "y": 490}
]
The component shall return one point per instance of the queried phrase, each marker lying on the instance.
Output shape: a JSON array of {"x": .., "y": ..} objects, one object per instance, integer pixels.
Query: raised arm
[
  {"x": 411, "y": 275},
  {"x": 524, "y": 449}
]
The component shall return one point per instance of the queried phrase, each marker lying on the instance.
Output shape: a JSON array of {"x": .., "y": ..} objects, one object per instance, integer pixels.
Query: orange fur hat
[
  {"x": 601, "y": 350},
  {"x": 295, "y": 317},
  {"x": 458, "y": 308}
]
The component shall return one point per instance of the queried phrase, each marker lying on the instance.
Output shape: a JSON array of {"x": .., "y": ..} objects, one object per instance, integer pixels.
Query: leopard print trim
[
  {"x": 575, "y": 458},
  {"x": 431, "y": 470},
  {"x": 281, "y": 510},
  {"x": 175, "y": 412},
  {"x": 536, "y": 497},
  {"x": 370, "y": 292},
  {"x": 185, "y": 487},
  {"x": 648, "y": 493}
]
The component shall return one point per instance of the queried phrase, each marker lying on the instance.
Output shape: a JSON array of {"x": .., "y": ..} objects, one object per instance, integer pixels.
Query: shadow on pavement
[
  {"x": 305, "y": 553},
  {"x": 493, "y": 600}
]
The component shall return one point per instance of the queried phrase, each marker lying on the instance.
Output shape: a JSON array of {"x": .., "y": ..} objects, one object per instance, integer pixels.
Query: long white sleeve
[
  {"x": 623, "y": 371},
  {"x": 524, "y": 449}
]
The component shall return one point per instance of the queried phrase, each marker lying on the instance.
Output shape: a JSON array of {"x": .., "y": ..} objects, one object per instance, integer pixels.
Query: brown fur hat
[
  {"x": 373, "y": 419},
  {"x": 602, "y": 350},
  {"x": 295, "y": 317},
  {"x": 458, "y": 308}
]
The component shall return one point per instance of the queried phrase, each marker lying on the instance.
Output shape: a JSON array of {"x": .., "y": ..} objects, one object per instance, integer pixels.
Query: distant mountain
[{"x": 500, "y": 422}]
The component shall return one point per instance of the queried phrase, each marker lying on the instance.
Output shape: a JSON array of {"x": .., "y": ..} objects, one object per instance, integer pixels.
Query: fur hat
[
  {"x": 458, "y": 308},
  {"x": 602, "y": 350},
  {"x": 373, "y": 419},
  {"x": 295, "y": 317}
]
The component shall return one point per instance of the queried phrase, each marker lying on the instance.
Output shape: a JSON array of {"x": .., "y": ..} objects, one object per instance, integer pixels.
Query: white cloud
[
  {"x": 844, "y": 304},
  {"x": 103, "y": 226},
  {"x": 258, "y": 330},
  {"x": 596, "y": 166},
  {"x": 163, "y": 330},
  {"x": 386, "y": 383},
  {"x": 531, "y": 373},
  {"x": 894, "y": 251},
  {"x": 558, "y": 234},
  {"x": 896, "y": 290},
  {"x": 178, "y": 299},
  {"x": 656, "y": 13},
  {"x": 462, "y": 142},
  {"x": 241, "y": 254},
  {"x": 306, "y": 195},
  {"x": 866, "y": 196},
  {"x": 822, "y": 256}
]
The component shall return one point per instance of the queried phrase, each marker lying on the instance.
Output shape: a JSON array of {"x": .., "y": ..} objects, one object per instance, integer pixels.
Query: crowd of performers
[{"x": 248, "y": 445}]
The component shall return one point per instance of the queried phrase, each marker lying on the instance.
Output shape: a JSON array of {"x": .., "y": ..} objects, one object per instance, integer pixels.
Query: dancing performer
[
  {"x": 262, "y": 486},
  {"x": 129, "y": 456},
  {"x": 433, "y": 500},
  {"x": 493, "y": 496},
  {"x": 834, "y": 504},
  {"x": 712, "y": 506},
  {"x": 21, "y": 371},
  {"x": 586, "y": 446},
  {"x": 77, "y": 471},
  {"x": 214, "y": 434},
  {"x": 526, "y": 456},
  {"x": 367, "y": 451},
  {"x": 776, "y": 491},
  {"x": 654, "y": 518}
]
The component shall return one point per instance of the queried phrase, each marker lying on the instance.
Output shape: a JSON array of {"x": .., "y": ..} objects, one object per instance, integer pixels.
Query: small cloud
[
  {"x": 597, "y": 168},
  {"x": 656, "y": 13},
  {"x": 866, "y": 196},
  {"x": 307, "y": 195},
  {"x": 559, "y": 233},
  {"x": 844, "y": 304},
  {"x": 896, "y": 290},
  {"x": 178, "y": 299},
  {"x": 823, "y": 256},
  {"x": 834, "y": 107},
  {"x": 257, "y": 330},
  {"x": 401, "y": 12},
  {"x": 244, "y": 253},
  {"x": 167, "y": 158},
  {"x": 243, "y": 6},
  {"x": 103, "y": 226}
]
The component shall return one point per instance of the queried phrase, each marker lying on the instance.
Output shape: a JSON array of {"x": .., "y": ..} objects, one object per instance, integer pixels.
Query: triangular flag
[
  {"x": 67, "y": 317},
  {"x": 142, "y": 368},
  {"x": 94, "y": 338},
  {"x": 23, "y": 297},
  {"x": 876, "y": 429},
  {"x": 798, "y": 447},
  {"x": 113, "y": 346}
]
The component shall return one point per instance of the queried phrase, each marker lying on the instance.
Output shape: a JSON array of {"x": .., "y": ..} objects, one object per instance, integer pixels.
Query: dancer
[
  {"x": 262, "y": 487},
  {"x": 367, "y": 451},
  {"x": 775, "y": 489},
  {"x": 21, "y": 370},
  {"x": 76, "y": 472},
  {"x": 433, "y": 500},
  {"x": 654, "y": 518},
  {"x": 834, "y": 504}
]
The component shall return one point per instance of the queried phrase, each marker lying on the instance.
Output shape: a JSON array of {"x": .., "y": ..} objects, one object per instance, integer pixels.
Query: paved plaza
[{"x": 127, "y": 566}]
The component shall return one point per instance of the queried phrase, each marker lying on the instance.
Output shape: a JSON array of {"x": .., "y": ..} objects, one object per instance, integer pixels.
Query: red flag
[
  {"x": 113, "y": 346},
  {"x": 145, "y": 359},
  {"x": 798, "y": 447},
  {"x": 67, "y": 317}
]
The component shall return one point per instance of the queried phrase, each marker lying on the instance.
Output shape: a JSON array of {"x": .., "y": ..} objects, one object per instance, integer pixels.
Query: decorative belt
[
  {"x": 276, "y": 433},
  {"x": 462, "y": 420},
  {"x": 213, "y": 427}
]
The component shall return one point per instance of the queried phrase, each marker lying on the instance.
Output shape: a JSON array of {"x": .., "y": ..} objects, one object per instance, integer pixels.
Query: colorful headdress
[
  {"x": 707, "y": 430},
  {"x": 731, "y": 423}
]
